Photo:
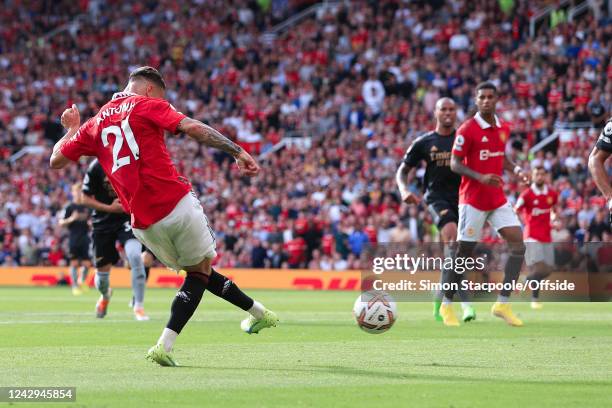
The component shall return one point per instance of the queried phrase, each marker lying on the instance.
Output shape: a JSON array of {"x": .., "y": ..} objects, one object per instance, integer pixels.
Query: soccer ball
[{"x": 375, "y": 311}]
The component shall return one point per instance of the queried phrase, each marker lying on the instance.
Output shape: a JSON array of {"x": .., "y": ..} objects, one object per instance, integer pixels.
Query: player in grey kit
[{"x": 111, "y": 225}]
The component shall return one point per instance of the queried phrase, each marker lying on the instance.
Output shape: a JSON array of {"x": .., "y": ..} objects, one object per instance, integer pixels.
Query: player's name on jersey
[{"x": 124, "y": 107}]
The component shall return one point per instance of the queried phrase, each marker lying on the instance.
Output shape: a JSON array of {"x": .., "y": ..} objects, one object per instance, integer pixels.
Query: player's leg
[
  {"x": 540, "y": 261},
  {"x": 445, "y": 216},
  {"x": 133, "y": 250},
  {"x": 105, "y": 255},
  {"x": 182, "y": 240},
  {"x": 157, "y": 239},
  {"x": 471, "y": 222},
  {"x": 74, "y": 272},
  {"x": 449, "y": 235},
  {"x": 85, "y": 265},
  {"x": 102, "y": 283},
  {"x": 147, "y": 260},
  {"x": 505, "y": 221},
  {"x": 219, "y": 285},
  {"x": 133, "y": 253}
]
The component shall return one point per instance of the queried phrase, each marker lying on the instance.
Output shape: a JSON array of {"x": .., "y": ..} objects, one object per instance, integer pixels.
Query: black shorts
[
  {"x": 79, "y": 250},
  {"x": 104, "y": 244},
  {"x": 443, "y": 212}
]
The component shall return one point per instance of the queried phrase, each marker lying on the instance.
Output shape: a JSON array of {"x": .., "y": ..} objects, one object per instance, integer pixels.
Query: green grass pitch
[{"x": 317, "y": 357}]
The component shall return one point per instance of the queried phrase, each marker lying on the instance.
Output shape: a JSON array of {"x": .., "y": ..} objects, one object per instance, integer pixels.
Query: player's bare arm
[
  {"x": 597, "y": 168},
  {"x": 401, "y": 178},
  {"x": 458, "y": 167},
  {"x": 211, "y": 137},
  {"x": 513, "y": 168},
  {"x": 114, "y": 207},
  {"x": 71, "y": 120}
]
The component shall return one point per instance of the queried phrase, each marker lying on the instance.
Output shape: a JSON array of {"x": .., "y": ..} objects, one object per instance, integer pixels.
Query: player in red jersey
[
  {"x": 537, "y": 205},
  {"x": 479, "y": 157},
  {"x": 127, "y": 137}
]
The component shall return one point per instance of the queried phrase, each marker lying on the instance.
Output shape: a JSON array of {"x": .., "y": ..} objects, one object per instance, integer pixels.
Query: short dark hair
[
  {"x": 150, "y": 74},
  {"x": 486, "y": 85},
  {"x": 539, "y": 167}
]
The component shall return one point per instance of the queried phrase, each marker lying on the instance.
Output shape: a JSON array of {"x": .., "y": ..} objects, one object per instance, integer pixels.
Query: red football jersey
[
  {"x": 127, "y": 137},
  {"x": 297, "y": 251},
  {"x": 482, "y": 148},
  {"x": 535, "y": 205}
]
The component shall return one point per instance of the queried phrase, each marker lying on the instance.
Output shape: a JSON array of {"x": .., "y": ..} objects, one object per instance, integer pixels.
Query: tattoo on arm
[
  {"x": 208, "y": 136},
  {"x": 458, "y": 167}
]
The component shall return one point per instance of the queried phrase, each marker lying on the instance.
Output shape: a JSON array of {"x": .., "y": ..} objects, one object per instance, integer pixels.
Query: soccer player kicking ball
[
  {"x": 441, "y": 185},
  {"x": 127, "y": 137},
  {"x": 479, "y": 157},
  {"x": 537, "y": 204}
]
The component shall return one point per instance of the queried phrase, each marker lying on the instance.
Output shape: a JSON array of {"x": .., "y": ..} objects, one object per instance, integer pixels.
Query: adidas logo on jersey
[
  {"x": 433, "y": 149},
  {"x": 484, "y": 139}
]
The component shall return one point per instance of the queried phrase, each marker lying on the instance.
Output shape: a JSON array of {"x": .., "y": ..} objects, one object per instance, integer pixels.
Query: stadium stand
[{"x": 330, "y": 105}]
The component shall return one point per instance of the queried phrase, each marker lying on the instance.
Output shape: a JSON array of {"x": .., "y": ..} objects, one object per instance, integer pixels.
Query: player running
[
  {"x": 127, "y": 137},
  {"x": 441, "y": 185},
  {"x": 112, "y": 224},
  {"x": 537, "y": 204},
  {"x": 479, "y": 157},
  {"x": 75, "y": 217},
  {"x": 597, "y": 163}
]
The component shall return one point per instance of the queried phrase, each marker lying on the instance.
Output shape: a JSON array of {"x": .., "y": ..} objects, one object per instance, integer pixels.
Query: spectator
[{"x": 346, "y": 91}]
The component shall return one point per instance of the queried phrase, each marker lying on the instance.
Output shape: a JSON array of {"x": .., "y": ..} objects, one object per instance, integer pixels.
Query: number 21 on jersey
[{"x": 120, "y": 132}]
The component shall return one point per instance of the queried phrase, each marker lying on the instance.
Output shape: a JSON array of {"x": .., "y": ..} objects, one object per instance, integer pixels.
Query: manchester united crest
[{"x": 503, "y": 135}]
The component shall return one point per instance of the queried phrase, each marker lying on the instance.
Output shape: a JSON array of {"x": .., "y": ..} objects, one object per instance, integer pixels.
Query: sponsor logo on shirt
[
  {"x": 608, "y": 130},
  {"x": 540, "y": 211},
  {"x": 486, "y": 154},
  {"x": 484, "y": 139}
]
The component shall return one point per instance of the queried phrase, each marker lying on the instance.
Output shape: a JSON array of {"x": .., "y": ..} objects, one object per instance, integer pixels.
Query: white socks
[
  {"x": 167, "y": 339},
  {"x": 257, "y": 310}
]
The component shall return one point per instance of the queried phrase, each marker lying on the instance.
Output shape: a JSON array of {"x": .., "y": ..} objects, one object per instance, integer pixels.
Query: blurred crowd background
[{"x": 329, "y": 104}]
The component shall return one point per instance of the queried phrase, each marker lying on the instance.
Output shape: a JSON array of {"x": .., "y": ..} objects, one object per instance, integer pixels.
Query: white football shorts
[
  {"x": 183, "y": 237},
  {"x": 536, "y": 251},
  {"x": 472, "y": 220}
]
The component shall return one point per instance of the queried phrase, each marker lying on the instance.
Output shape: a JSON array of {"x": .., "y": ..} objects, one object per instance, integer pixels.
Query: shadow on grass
[
  {"x": 332, "y": 369},
  {"x": 394, "y": 375}
]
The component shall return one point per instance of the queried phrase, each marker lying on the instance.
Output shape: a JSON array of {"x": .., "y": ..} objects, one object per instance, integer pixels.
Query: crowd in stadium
[{"x": 352, "y": 86}]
